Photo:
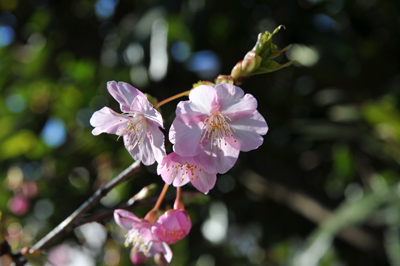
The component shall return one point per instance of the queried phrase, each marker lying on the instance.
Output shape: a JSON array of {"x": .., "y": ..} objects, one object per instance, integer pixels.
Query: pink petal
[
  {"x": 204, "y": 99},
  {"x": 143, "y": 227},
  {"x": 203, "y": 181},
  {"x": 171, "y": 172},
  {"x": 242, "y": 108},
  {"x": 167, "y": 252},
  {"x": 186, "y": 137},
  {"x": 125, "y": 219},
  {"x": 107, "y": 121},
  {"x": 214, "y": 160},
  {"x": 124, "y": 93},
  {"x": 142, "y": 106},
  {"x": 181, "y": 179},
  {"x": 157, "y": 141},
  {"x": 143, "y": 152},
  {"x": 162, "y": 169},
  {"x": 228, "y": 93},
  {"x": 248, "y": 131}
]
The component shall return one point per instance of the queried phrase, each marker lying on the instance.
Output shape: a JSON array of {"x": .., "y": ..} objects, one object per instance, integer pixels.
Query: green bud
[
  {"x": 268, "y": 51},
  {"x": 250, "y": 63}
]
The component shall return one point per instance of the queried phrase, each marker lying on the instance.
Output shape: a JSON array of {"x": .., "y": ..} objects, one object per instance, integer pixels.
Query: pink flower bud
[{"x": 172, "y": 226}]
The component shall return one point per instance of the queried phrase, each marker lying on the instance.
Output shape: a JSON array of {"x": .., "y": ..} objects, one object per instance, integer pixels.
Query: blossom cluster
[{"x": 208, "y": 133}]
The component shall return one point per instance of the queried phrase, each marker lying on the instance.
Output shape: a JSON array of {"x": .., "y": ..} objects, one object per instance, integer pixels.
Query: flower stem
[
  {"x": 161, "y": 197},
  {"x": 178, "y": 204},
  {"x": 185, "y": 93},
  {"x": 178, "y": 193}
]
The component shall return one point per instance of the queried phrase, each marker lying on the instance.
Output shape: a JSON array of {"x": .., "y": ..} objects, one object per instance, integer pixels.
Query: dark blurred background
[{"x": 324, "y": 187}]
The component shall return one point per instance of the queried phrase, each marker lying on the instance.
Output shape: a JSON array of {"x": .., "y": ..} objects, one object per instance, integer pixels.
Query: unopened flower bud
[
  {"x": 250, "y": 63},
  {"x": 237, "y": 71},
  {"x": 172, "y": 226}
]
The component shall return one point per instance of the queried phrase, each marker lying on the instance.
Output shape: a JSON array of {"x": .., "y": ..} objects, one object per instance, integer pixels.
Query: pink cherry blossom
[
  {"x": 138, "y": 124},
  {"x": 172, "y": 226},
  {"x": 141, "y": 238},
  {"x": 180, "y": 170},
  {"x": 215, "y": 125}
]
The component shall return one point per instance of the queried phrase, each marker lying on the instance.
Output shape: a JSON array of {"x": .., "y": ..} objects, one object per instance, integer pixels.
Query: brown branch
[
  {"x": 109, "y": 213},
  {"x": 169, "y": 199},
  {"x": 68, "y": 224}
]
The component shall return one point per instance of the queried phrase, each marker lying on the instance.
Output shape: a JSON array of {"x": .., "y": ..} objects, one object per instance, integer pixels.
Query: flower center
[
  {"x": 138, "y": 244},
  {"x": 186, "y": 169},
  {"x": 135, "y": 131},
  {"x": 215, "y": 129}
]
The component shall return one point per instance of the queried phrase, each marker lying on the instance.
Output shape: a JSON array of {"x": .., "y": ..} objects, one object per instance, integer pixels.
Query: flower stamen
[
  {"x": 136, "y": 129},
  {"x": 216, "y": 128},
  {"x": 133, "y": 238}
]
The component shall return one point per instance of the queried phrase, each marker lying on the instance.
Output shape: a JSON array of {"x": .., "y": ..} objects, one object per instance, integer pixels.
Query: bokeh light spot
[
  {"x": 305, "y": 55},
  {"x": 215, "y": 227},
  {"x": 53, "y": 133},
  {"x": 15, "y": 103},
  {"x": 18, "y": 205},
  {"x": 105, "y": 8},
  {"x": 43, "y": 209},
  {"x": 323, "y": 23},
  {"x": 180, "y": 51},
  {"x": 205, "y": 63},
  {"x": 6, "y": 35}
]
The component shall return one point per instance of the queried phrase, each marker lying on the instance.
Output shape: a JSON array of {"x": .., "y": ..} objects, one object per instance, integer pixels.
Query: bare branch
[{"x": 68, "y": 224}]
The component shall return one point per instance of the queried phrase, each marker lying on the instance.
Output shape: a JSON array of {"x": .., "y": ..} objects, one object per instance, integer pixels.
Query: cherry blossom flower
[
  {"x": 180, "y": 170},
  {"x": 138, "y": 124},
  {"x": 140, "y": 237},
  {"x": 172, "y": 226},
  {"x": 215, "y": 125}
]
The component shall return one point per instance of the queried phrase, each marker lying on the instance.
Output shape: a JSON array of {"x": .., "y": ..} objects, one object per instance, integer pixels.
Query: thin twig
[
  {"x": 131, "y": 206},
  {"x": 67, "y": 225},
  {"x": 109, "y": 213}
]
